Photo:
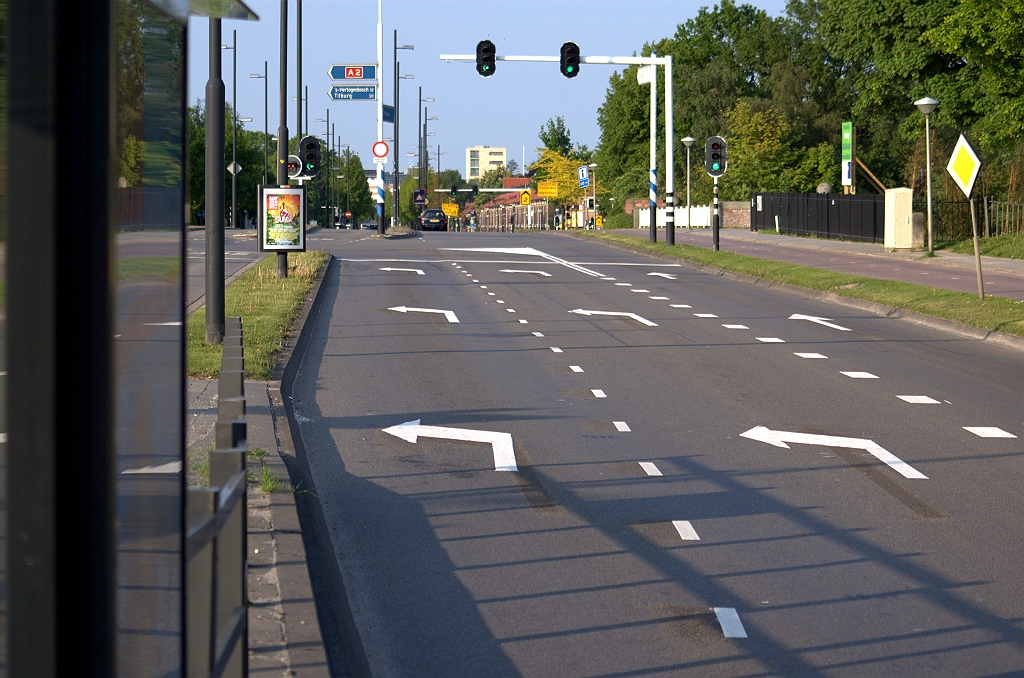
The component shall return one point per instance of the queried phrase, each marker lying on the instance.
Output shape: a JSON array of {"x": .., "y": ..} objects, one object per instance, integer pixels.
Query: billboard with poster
[{"x": 282, "y": 219}]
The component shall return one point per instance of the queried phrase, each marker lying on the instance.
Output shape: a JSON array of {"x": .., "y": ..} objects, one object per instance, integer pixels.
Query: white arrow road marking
[
  {"x": 732, "y": 627},
  {"x": 667, "y": 276},
  {"x": 513, "y": 270},
  {"x": 820, "y": 321},
  {"x": 650, "y": 468},
  {"x": 685, "y": 529},
  {"x": 452, "y": 318},
  {"x": 501, "y": 443},
  {"x": 407, "y": 270},
  {"x": 171, "y": 467},
  {"x": 634, "y": 316},
  {"x": 780, "y": 438}
]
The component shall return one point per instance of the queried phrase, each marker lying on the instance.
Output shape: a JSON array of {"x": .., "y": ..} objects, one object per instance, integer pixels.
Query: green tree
[{"x": 555, "y": 136}]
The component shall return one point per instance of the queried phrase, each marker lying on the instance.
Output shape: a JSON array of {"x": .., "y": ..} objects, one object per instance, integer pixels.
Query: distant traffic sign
[
  {"x": 353, "y": 92},
  {"x": 380, "y": 149},
  {"x": 547, "y": 189},
  {"x": 389, "y": 114},
  {"x": 352, "y": 72},
  {"x": 964, "y": 165},
  {"x": 524, "y": 198},
  {"x": 584, "y": 174},
  {"x": 234, "y": 168},
  {"x": 450, "y": 209},
  {"x": 419, "y": 196}
]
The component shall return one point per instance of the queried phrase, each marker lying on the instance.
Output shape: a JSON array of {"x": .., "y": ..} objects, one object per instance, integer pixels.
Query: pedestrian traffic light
[
  {"x": 309, "y": 153},
  {"x": 455, "y": 190},
  {"x": 485, "y": 58},
  {"x": 570, "y": 60},
  {"x": 715, "y": 162},
  {"x": 294, "y": 167}
]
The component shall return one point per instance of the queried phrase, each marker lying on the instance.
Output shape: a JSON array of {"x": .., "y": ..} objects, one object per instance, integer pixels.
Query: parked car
[
  {"x": 432, "y": 220},
  {"x": 368, "y": 225}
]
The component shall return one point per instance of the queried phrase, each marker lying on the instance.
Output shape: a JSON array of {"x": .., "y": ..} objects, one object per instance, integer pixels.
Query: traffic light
[
  {"x": 570, "y": 60},
  {"x": 455, "y": 191},
  {"x": 294, "y": 166},
  {"x": 476, "y": 190},
  {"x": 715, "y": 162},
  {"x": 309, "y": 153},
  {"x": 485, "y": 58}
]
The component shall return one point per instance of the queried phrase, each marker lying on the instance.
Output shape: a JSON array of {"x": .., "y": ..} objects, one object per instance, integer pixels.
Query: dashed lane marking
[
  {"x": 859, "y": 375},
  {"x": 621, "y": 426},
  {"x": 607, "y": 278},
  {"x": 730, "y": 622},
  {"x": 685, "y": 530},
  {"x": 524, "y": 322},
  {"x": 515, "y": 270},
  {"x": 641, "y": 291},
  {"x": 705, "y": 315},
  {"x": 555, "y": 349},
  {"x": 771, "y": 340},
  {"x": 680, "y": 306},
  {"x": 598, "y": 393},
  {"x": 623, "y": 284},
  {"x": 811, "y": 355},
  {"x": 649, "y": 468},
  {"x": 658, "y": 298},
  {"x": 510, "y": 310},
  {"x": 575, "y": 368},
  {"x": 989, "y": 432},
  {"x": 736, "y": 327},
  {"x": 538, "y": 334},
  {"x": 919, "y": 400}
]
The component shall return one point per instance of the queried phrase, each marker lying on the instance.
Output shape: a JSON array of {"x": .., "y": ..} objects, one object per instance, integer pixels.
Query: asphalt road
[{"x": 883, "y": 539}]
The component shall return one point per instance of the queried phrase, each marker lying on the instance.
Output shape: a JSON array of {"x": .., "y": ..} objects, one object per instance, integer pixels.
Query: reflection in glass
[{"x": 149, "y": 339}]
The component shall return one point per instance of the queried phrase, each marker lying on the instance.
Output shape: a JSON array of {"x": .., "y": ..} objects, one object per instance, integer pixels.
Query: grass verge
[
  {"x": 994, "y": 313},
  {"x": 1004, "y": 246},
  {"x": 268, "y": 307}
]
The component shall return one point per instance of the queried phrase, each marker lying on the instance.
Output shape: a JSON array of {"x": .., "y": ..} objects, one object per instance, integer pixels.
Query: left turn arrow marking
[
  {"x": 452, "y": 318},
  {"x": 501, "y": 443},
  {"x": 407, "y": 270}
]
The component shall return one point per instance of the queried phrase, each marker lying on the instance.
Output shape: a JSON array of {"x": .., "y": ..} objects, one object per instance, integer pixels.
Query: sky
[{"x": 504, "y": 110}]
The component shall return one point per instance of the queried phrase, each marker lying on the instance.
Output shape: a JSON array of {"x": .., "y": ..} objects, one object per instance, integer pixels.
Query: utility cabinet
[{"x": 899, "y": 227}]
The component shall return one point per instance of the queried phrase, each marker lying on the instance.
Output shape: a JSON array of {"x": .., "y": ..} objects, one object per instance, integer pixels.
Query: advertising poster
[{"x": 283, "y": 219}]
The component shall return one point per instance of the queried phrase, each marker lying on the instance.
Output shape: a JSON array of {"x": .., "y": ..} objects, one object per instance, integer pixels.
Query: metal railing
[
  {"x": 1005, "y": 218},
  {"x": 216, "y": 618}
]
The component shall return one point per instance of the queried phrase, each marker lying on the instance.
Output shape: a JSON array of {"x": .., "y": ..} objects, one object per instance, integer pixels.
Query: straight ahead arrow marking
[
  {"x": 820, "y": 321},
  {"x": 634, "y": 316},
  {"x": 452, "y": 318},
  {"x": 407, "y": 270},
  {"x": 667, "y": 276},
  {"x": 780, "y": 438},
  {"x": 512, "y": 270},
  {"x": 501, "y": 443}
]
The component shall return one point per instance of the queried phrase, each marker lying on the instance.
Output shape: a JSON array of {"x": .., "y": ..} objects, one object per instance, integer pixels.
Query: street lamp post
[
  {"x": 593, "y": 166},
  {"x": 394, "y": 180},
  {"x": 422, "y": 141},
  {"x": 330, "y": 164},
  {"x": 266, "y": 130},
  {"x": 688, "y": 142},
  {"x": 926, "y": 106}
]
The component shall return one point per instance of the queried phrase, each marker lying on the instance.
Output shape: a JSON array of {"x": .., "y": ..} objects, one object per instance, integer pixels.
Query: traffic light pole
[
  {"x": 715, "y": 219},
  {"x": 215, "y": 191},
  {"x": 282, "y": 129}
]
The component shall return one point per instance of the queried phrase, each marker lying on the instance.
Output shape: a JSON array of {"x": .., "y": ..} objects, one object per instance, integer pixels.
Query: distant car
[
  {"x": 433, "y": 220},
  {"x": 368, "y": 225}
]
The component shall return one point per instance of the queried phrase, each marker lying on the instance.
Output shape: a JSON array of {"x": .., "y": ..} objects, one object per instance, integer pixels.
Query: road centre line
[
  {"x": 621, "y": 426},
  {"x": 598, "y": 393},
  {"x": 685, "y": 530},
  {"x": 641, "y": 291},
  {"x": 680, "y": 306},
  {"x": 988, "y": 432},
  {"x": 918, "y": 400},
  {"x": 659, "y": 298},
  {"x": 476, "y": 281},
  {"x": 730, "y": 622},
  {"x": 483, "y": 287},
  {"x": 607, "y": 278},
  {"x": 490, "y": 294},
  {"x": 705, "y": 315},
  {"x": 859, "y": 375},
  {"x": 771, "y": 340},
  {"x": 649, "y": 468},
  {"x": 736, "y": 327},
  {"x": 623, "y": 284},
  {"x": 811, "y": 355},
  {"x": 499, "y": 301}
]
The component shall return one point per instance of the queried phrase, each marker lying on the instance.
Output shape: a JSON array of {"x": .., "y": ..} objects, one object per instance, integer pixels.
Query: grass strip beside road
[
  {"x": 995, "y": 313},
  {"x": 268, "y": 308},
  {"x": 1003, "y": 246}
]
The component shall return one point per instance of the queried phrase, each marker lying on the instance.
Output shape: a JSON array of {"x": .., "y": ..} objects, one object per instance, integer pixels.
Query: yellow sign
[
  {"x": 964, "y": 165},
  {"x": 524, "y": 198},
  {"x": 450, "y": 209},
  {"x": 547, "y": 189},
  {"x": 599, "y": 221}
]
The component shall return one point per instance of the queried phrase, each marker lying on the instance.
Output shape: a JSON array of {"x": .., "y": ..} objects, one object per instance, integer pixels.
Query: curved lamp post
[{"x": 926, "y": 106}]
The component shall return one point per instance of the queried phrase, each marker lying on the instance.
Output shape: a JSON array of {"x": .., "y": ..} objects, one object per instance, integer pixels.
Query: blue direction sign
[
  {"x": 352, "y": 72},
  {"x": 353, "y": 92},
  {"x": 389, "y": 114}
]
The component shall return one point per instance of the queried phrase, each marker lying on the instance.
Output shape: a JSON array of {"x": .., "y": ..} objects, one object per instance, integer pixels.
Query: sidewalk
[{"x": 1003, "y": 277}]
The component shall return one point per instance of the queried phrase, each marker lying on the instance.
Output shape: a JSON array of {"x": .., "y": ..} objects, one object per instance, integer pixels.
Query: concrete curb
[{"x": 962, "y": 330}]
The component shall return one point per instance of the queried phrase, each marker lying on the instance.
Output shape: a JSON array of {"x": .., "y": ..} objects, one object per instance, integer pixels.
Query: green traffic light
[
  {"x": 715, "y": 166},
  {"x": 569, "y": 69}
]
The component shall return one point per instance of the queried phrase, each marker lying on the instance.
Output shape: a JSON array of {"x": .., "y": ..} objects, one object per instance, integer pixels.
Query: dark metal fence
[
  {"x": 1005, "y": 218},
  {"x": 216, "y": 620},
  {"x": 951, "y": 219},
  {"x": 829, "y": 215}
]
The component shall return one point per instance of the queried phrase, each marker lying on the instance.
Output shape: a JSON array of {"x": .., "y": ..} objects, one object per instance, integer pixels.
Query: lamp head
[
  {"x": 926, "y": 105},
  {"x": 688, "y": 141}
]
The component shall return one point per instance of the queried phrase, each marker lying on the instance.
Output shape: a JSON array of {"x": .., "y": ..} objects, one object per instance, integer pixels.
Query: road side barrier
[{"x": 216, "y": 619}]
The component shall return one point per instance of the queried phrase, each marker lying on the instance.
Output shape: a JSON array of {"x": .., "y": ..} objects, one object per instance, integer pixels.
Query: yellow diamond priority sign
[{"x": 964, "y": 165}]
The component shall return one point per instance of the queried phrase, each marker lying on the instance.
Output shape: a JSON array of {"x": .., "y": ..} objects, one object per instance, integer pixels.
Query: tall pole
[
  {"x": 266, "y": 123},
  {"x": 379, "y": 193},
  {"x": 689, "y": 221},
  {"x": 298, "y": 72},
  {"x": 215, "y": 191},
  {"x": 670, "y": 198},
  {"x": 306, "y": 100},
  {"x": 419, "y": 140},
  {"x": 282, "y": 128},
  {"x": 394, "y": 141},
  {"x": 714, "y": 220},
  {"x": 234, "y": 126},
  {"x": 653, "y": 188},
  {"x": 928, "y": 180}
]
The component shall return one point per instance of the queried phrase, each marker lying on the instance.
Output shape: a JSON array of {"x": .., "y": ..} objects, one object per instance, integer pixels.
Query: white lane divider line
[
  {"x": 598, "y": 393},
  {"x": 490, "y": 294},
  {"x": 483, "y": 287},
  {"x": 621, "y": 426},
  {"x": 538, "y": 334},
  {"x": 919, "y": 400},
  {"x": 170, "y": 467},
  {"x": 510, "y": 310},
  {"x": 780, "y": 438},
  {"x": 705, "y": 315},
  {"x": 607, "y": 278},
  {"x": 685, "y": 529},
  {"x": 680, "y": 306},
  {"x": 659, "y": 298},
  {"x": 667, "y": 276},
  {"x": 641, "y": 291},
  {"x": 501, "y": 443},
  {"x": 623, "y": 284},
  {"x": 555, "y": 349},
  {"x": 575, "y": 368},
  {"x": 859, "y": 375},
  {"x": 811, "y": 355},
  {"x": 730, "y": 622},
  {"x": 736, "y": 327},
  {"x": 476, "y": 280},
  {"x": 650, "y": 469},
  {"x": 988, "y": 432},
  {"x": 499, "y": 301},
  {"x": 819, "y": 321},
  {"x": 513, "y": 270},
  {"x": 771, "y": 340},
  {"x": 524, "y": 322}
]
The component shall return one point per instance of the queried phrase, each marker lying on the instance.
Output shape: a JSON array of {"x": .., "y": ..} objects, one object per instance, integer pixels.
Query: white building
[{"x": 481, "y": 159}]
